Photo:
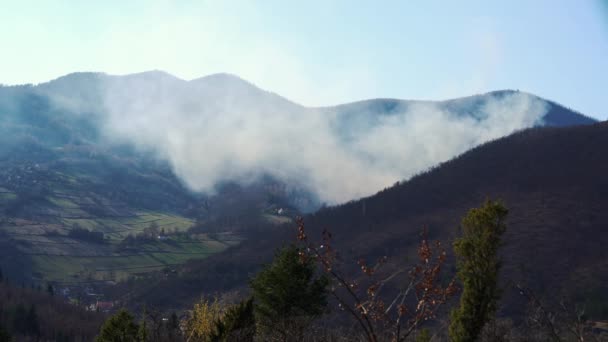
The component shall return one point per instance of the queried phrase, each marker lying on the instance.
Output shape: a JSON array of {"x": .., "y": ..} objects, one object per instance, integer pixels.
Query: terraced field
[
  {"x": 40, "y": 207},
  {"x": 57, "y": 257},
  {"x": 69, "y": 269}
]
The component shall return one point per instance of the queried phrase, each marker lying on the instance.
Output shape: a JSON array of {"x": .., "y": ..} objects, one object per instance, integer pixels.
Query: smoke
[{"x": 220, "y": 128}]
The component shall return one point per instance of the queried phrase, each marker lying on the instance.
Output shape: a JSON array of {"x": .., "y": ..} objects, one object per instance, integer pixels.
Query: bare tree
[{"x": 376, "y": 313}]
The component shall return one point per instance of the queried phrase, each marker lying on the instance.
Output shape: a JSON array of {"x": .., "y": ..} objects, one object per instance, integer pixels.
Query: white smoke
[{"x": 220, "y": 128}]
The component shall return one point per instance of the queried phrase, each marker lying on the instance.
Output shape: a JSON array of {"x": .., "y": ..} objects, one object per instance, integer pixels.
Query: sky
[{"x": 324, "y": 52}]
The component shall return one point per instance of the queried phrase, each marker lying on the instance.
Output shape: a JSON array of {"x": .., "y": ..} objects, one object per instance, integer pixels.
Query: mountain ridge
[{"x": 229, "y": 77}]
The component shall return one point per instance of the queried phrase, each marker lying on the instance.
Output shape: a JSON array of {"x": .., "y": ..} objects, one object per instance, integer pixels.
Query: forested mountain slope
[{"x": 553, "y": 180}]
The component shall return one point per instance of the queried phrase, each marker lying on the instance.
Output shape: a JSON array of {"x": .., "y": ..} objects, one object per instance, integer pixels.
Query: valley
[{"x": 303, "y": 171}]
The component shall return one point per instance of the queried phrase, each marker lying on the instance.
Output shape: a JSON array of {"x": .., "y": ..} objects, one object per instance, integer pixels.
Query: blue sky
[{"x": 324, "y": 52}]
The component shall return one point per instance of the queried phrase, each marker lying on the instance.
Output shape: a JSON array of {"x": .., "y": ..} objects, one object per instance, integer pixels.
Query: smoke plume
[{"x": 221, "y": 128}]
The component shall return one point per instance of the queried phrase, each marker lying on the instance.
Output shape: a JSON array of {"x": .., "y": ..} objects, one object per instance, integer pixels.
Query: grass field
[
  {"x": 119, "y": 266},
  {"x": 118, "y": 228},
  {"x": 58, "y": 258},
  {"x": 38, "y": 223},
  {"x": 6, "y": 196}
]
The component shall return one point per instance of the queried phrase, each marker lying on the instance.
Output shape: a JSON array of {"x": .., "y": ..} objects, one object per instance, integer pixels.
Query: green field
[
  {"x": 119, "y": 228},
  {"x": 58, "y": 258},
  {"x": 6, "y": 195},
  {"x": 119, "y": 266}
]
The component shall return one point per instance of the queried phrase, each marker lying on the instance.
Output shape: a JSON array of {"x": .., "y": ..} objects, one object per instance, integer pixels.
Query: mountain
[
  {"x": 95, "y": 168},
  {"x": 552, "y": 179},
  {"x": 241, "y": 133},
  {"x": 555, "y": 115},
  {"x": 60, "y": 174}
]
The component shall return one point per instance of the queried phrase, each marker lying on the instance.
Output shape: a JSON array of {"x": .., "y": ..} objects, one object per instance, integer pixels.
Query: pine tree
[
  {"x": 119, "y": 328},
  {"x": 478, "y": 267},
  {"x": 173, "y": 325},
  {"x": 32, "y": 326},
  {"x": 142, "y": 334},
  {"x": 288, "y": 295},
  {"x": 4, "y": 335},
  {"x": 238, "y": 324},
  {"x": 424, "y": 335},
  {"x": 20, "y": 319}
]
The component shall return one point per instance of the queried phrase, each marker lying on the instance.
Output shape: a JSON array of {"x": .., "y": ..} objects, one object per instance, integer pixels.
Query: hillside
[
  {"x": 221, "y": 128},
  {"x": 59, "y": 174},
  {"x": 104, "y": 178},
  {"x": 35, "y": 315},
  {"x": 552, "y": 180}
]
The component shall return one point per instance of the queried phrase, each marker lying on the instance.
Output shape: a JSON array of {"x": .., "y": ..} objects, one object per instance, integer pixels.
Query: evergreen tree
[
  {"x": 478, "y": 267},
  {"x": 32, "y": 326},
  {"x": 173, "y": 325},
  {"x": 424, "y": 335},
  {"x": 142, "y": 334},
  {"x": 288, "y": 295},
  {"x": 4, "y": 335},
  {"x": 238, "y": 324},
  {"x": 119, "y": 328},
  {"x": 20, "y": 319}
]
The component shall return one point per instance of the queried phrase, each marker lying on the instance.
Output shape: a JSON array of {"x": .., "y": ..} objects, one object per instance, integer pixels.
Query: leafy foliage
[
  {"x": 83, "y": 234},
  {"x": 423, "y": 335},
  {"x": 478, "y": 268},
  {"x": 121, "y": 327},
  {"x": 4, "y": 335},
  {"x": 201, "y": 324},
  {"x": 142, "y": 331},
  {"x": 288, "y": 295},
  {"x": 238, "y": 324}
]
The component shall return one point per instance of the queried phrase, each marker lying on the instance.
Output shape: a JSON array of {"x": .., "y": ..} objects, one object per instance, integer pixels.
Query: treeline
[
  {"x": 308, "y": 294},
  {"x": 84, "y": 234},
  {"x": 28, "y": 314},
  {"x": 149, "y": 234},
  {"x": 79, "y": 233}
]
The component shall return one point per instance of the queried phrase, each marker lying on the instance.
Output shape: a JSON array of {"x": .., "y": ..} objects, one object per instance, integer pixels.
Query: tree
[
  {"x": 20, "y": 319},
  {"x": 423, "y": 336},
  {"x": 201, "y": 324},
  {"x": 238, "y": 324},
  {"x": 288, "y": 295},
  {"x": 173, "y": 326},
  {"x": 411, "y": 303},
  {"x": 478, "y": 267},
  {"x": 4, "y": 335},
  {"x": 142, "y": 334},
  {"x": 119, "y": 328},
  {"x": 32, "y": 325}
]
